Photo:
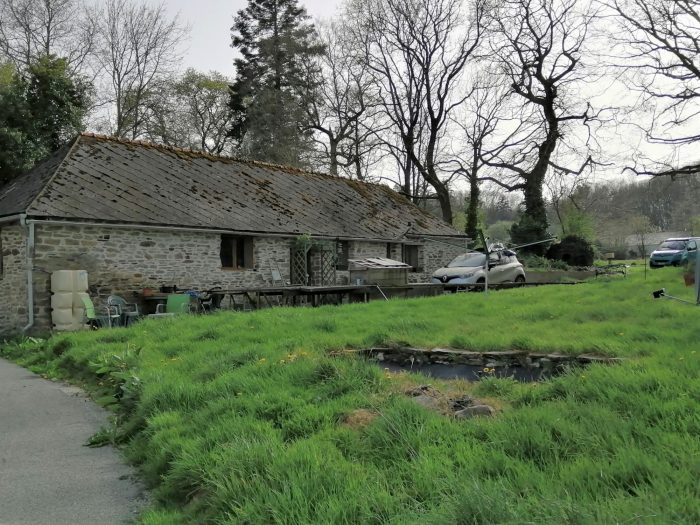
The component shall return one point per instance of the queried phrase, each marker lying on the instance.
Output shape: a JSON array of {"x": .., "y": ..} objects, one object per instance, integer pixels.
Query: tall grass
[{"x": 245, "y": 418}]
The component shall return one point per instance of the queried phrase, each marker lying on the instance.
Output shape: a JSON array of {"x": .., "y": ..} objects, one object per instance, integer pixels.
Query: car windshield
[
  {"x": 472, "y": 260},
  {"x": 672, "y": 245}
]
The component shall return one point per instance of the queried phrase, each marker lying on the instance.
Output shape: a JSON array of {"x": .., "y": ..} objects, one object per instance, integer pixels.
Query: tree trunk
[
  {"x": 441, "y": 192},
  {"x": 533, "y": 225},
  {"x": 443, "y": 196},
  {"x": 333, "y": 154},
  {"x": 535, "y": 207},
  {"x": 407, "y": 186},
  {"x": 473, "y": 208}
]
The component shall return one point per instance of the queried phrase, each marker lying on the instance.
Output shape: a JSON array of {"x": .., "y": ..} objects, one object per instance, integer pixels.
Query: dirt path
[{"x": 47, "y": 475}]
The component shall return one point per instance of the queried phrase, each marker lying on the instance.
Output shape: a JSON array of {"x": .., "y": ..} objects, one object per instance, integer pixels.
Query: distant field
[{"x": 245, "y": 418}]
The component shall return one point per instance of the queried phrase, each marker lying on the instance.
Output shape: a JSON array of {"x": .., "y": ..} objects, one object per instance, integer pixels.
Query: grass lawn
[{"x": 245, "y": 418}]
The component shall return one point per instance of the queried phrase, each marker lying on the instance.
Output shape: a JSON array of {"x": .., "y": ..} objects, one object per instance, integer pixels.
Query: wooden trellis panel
[
  {"x": 328, "y": 263},
  {"x": 299, "y": 271}
]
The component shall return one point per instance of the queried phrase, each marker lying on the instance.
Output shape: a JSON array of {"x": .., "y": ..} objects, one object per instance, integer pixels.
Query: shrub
[
  {"x": 572, "y": 250},
  {"x": 528, "y": 230},
  {"x": 534, "y": 261}
]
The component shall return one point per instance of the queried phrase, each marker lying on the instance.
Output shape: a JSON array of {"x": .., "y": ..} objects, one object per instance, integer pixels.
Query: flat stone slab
[{"x": 47, "y": 475}]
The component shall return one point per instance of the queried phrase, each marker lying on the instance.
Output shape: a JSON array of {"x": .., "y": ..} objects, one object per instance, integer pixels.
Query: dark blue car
[{"x": 673, "y": 252}]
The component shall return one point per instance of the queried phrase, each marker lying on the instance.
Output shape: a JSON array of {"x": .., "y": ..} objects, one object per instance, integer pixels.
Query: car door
[
  {"x": 510, "y": 269},
  {"x": 496, "y": 267}
]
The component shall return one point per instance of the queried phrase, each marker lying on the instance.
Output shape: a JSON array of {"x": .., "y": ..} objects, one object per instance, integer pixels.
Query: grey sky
[{"x": 210, "y": 24}]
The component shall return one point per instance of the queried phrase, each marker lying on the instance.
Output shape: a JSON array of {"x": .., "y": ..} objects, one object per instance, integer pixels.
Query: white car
[{"x": 468, "y": 269}]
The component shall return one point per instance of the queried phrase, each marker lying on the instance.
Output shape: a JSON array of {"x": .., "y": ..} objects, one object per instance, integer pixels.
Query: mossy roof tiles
[{"x": 101, "y": 178}]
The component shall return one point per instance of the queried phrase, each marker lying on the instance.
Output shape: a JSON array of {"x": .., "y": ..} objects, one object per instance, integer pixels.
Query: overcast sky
[{"x": 210, "y": 24}]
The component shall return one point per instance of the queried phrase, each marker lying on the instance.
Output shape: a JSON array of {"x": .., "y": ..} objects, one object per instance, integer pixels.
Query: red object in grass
[{"x": 689, "y": 279}]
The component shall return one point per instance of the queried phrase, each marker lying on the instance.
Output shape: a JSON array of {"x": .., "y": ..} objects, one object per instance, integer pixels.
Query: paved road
[{"x": 47, "y": 475}]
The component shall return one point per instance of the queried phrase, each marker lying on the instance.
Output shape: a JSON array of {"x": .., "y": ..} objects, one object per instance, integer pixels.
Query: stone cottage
[{"x": 137, "y": 215}]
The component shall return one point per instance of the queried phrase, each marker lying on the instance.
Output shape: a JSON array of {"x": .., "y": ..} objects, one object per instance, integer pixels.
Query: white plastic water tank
[
  {"x": 68, "y": 288},
  {"x": 80, "y": 281},
  {"x": 62, "y": 300},
  {"x": 62, "y": 316},
  {"x": 77, "y": 300},
  {"x": 62, "y": 281}
]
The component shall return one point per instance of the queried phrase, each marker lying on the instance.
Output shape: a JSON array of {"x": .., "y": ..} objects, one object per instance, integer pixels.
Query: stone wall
[
  {"x": 434, "y": 256},
  {"x": 121, "y": 261},
  {"x": 13, "y": 279},
  {"x": 361, "y": 249},
  {"x": 124, "y": 261}
]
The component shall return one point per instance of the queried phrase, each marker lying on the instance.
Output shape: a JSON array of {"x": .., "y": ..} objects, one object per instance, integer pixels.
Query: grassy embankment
[{"x": 244, "y": 418}]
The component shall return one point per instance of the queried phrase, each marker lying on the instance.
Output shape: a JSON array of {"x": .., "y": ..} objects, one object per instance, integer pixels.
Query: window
[
  {"x": 342, "y": 254},
  {"x": 411, "y": 255},
  {"x": 393, "y": 250},
  {"x": 236, "y": 252}
]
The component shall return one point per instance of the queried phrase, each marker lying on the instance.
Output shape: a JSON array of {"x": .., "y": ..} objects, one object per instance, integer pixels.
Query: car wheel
[
  {"x": 479, "y": 281},
  {"x": 520, "y": 279}
]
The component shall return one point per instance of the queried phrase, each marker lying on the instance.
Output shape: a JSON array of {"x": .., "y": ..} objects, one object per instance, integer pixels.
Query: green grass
[{"x": 245, "y": 418}]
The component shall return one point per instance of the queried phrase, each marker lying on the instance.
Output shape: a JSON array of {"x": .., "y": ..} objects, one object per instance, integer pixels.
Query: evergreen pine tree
[{"x": 277, "y": 44}]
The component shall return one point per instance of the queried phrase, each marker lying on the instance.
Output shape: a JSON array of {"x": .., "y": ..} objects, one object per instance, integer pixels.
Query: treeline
[
  {"x": 432, "y": 96},
  {"x": 612, "y": 216}
]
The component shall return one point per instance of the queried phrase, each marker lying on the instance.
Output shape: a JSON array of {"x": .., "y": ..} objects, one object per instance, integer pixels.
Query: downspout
[{"x": 30, "y": 271}]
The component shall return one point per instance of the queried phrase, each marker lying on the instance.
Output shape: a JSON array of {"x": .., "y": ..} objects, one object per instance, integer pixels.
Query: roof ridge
[
  {"x": 204, "y": 154},
  {"x": 50, "y": 179}
]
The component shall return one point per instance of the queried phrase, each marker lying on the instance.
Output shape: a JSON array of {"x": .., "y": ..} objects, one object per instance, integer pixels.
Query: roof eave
[
  {"x": 62, "y": 221},
  {"x": 11, "y": 218}
]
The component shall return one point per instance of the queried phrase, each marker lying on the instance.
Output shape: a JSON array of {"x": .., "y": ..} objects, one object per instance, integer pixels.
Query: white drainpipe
[{"x": 30, "y": 271}]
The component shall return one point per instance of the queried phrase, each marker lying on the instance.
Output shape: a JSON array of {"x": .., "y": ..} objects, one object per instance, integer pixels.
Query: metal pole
[
  {"x": 29, "y": 261},
  {"x": 484, "y": 241}
]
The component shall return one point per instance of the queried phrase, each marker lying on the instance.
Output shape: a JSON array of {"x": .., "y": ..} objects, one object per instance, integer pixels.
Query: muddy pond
[{"x": 447, "y": 363}]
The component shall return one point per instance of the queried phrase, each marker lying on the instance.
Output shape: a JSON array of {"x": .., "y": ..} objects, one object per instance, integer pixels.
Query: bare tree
[
  {"x": 563, "y": 191},
  {"x": 641, "y": 228},
  {"x": 342, "y": 105},
  {"x": 417, "y": 52},
  {"x": 139, "y": 47},
  {"x": 30, "y": 29},
  {"x": 660, "y": 40},
  {"x": 539, "y": 44},
  {"x": 481, "y": 120}
]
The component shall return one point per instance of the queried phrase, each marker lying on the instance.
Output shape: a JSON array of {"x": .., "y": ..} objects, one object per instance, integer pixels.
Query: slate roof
[
  {"x": 19, "y": 193},
  {"x": 106, "y": 179}
]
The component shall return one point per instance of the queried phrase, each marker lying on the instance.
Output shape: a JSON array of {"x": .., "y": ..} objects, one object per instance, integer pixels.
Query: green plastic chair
[
  {"x": 128, "y": 312},
  {"x": 175, "y": 304},
  {"x": 111, "y": 317}
]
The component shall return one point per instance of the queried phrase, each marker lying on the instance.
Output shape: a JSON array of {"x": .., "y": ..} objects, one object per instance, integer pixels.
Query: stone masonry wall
[
  {"x": 360, "y": 249},
  {"x": 434, "y": 256},
  {"x": 122, "y": 261},
  {"x": 13, "y": 279}
]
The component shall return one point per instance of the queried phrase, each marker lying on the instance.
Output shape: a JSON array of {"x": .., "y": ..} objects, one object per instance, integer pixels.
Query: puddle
[
  {"x": 447, "y": 363},
  {"x": 471, "y": 372}
]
